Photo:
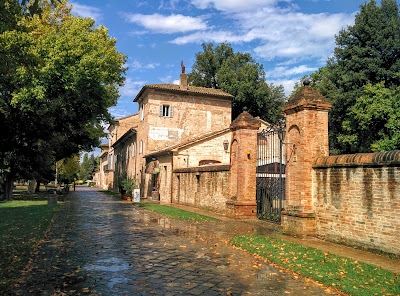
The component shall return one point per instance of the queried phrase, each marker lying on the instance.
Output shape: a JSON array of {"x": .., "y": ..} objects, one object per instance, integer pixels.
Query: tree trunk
[
  {"x": 31, "y": 186},
  {"x": 7, "y": 186},
  {"x": 37, "y": 189}
]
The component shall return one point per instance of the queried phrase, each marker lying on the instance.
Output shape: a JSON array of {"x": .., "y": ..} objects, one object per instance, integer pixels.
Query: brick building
[{"x": 169, "y": 116}]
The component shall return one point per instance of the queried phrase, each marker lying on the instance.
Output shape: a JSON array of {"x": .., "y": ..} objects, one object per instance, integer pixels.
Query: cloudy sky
[{"x": 290, "y": 38}]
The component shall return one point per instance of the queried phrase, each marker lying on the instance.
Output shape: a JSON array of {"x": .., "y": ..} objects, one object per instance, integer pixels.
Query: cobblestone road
[{"x": 100, "y": 245}]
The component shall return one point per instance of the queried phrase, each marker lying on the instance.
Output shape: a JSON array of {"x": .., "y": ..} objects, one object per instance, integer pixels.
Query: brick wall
[
  {"x": 204, "y": 187},
  {"x": 357, "y": 199}
]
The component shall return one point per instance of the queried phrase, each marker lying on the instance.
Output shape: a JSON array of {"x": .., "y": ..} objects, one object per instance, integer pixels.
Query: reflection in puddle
[{"x": 110, "y": 265}]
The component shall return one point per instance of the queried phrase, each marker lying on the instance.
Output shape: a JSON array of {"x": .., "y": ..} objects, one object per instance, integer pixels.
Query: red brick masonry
[{"x": 357, "y": 199}]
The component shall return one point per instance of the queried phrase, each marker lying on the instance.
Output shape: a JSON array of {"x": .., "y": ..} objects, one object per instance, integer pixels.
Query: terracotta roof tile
[
  {"x": 306, "y": 95},
  {"x": 191, "y": 89}
]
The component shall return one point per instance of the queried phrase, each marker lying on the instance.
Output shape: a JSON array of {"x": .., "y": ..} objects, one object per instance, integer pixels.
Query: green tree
[
  {"x": 367, "y": 52},
  {"x": 88, "y": 167},
  {"x": 68, "y": 168},
  {"x": 58, "y": 76},
  {"x": 376, "y": 117},
  {"x": 238, "y": 74}
]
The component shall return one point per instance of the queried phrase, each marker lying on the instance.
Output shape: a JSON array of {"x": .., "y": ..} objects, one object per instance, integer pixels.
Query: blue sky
[{"x": 290, "y": 38}]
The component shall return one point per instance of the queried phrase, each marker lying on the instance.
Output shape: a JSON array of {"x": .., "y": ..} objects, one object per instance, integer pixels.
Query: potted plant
[{"x": 127, "y": 186}]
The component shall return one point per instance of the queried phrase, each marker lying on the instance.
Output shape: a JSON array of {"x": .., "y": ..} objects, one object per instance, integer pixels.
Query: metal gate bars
[{"x": 271, "y": 163}]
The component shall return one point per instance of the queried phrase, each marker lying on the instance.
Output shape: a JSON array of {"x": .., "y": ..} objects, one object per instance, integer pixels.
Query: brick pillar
[
  {"x": 306, "y": 139},
  {"x": 243, "y": 203}
]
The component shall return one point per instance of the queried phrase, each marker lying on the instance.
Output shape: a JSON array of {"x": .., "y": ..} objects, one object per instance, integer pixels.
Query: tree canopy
[
  {"x": 238, "y": 74},
  {"x": 58, "y": 76},
  {"x": 88, "y": 167},
  {"x": 366, "y": 58}
]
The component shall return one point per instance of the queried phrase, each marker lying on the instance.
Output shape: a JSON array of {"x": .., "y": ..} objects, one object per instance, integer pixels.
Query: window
[
  {"x": 166, "y": 111},
  {"x": 140, "y": 147},
  {"x": 127, "y": 153},
  {"x": 133, "y": 149},
  {"x": 141, "y": 111}
]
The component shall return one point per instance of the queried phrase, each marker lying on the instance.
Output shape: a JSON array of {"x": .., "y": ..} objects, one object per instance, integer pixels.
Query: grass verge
[
  {"x": 22, "y": 225},
  {"x": 175, "y": 213},
  {"x": 344, "y": 274}
]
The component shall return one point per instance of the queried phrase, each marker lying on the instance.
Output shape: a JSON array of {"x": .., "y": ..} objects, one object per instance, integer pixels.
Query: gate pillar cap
[
  {"x": 307, "y": 97},
  {"x": 245, "y": 121}
]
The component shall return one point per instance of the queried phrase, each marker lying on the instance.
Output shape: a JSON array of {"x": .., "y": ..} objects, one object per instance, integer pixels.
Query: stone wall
[
  {"x": 357, "y": 199},
  {"x": 205, "y": 187}
]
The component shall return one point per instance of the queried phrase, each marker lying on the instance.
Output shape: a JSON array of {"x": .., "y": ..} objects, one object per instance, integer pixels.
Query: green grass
[
  {"x": 22, "y": 226},
  {"x": 347, "y": 275},
  {"x": 175, "y": 213},
  {"x": 145, "y": 203}
]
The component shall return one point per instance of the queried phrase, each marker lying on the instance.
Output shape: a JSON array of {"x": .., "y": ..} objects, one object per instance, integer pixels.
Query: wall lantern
[{"x": 226, "y": 145}]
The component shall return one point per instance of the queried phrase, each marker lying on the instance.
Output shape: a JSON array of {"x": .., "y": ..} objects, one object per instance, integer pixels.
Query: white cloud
[
  {"x": 118, "y": 111},
  {"x": 279, "y": 33},
  {"x": 136, "y": 65},
  {"x": 233, "y": 5},
  {"x": 131, "y": 88},
  {"x": 209, "y": 36},
  {"x": 174, "y": 23},
  {"x": 288, "y": 84},
  {"x": 286, "y": 71},
  {"x": 86, "y": 11}
]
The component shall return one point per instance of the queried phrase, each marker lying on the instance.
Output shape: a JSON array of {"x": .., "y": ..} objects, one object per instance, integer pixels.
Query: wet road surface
[{"x": 101, "y": 245}]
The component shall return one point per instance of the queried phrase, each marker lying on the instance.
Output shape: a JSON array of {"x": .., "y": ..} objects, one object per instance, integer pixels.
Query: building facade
[{"x": 168, "y": 115}]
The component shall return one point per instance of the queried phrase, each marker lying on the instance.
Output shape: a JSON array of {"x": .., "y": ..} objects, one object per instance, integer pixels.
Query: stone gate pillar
[
  {"x": 243, "y": 180},
  {"x": 306, "y": 139}
]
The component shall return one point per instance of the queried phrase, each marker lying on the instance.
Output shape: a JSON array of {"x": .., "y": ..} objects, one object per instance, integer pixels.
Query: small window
[
  {"x": 140, "y": 147},
  {"x": 141, "y": 111},
  {"x": 133, "y": 149},
  {"x": 166, "y": 111},
  {"x": 127, "y": 153}
]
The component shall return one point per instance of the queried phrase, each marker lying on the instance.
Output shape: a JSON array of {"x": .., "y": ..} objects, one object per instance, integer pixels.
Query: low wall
[
  {"x": 205, "y": 187},
  {"x": 357, "y": 199}
]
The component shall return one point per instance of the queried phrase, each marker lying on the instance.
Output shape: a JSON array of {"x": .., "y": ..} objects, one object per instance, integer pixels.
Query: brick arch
[{"x": 293, "y": 127}]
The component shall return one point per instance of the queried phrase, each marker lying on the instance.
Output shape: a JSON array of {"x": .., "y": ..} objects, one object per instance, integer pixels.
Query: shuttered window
[
  {"x": 133, "y": 149},
  {"x": 140, "y": 147},
  {"x": 166, "y": 111}
]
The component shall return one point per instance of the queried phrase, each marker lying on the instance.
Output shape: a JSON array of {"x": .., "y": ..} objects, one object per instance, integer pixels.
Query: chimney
[
  {"x": 183, "y": 81},
  {"x": 183, "y": 78}
]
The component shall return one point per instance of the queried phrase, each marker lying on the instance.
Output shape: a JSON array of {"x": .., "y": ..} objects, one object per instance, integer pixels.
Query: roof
[
  {"x": 187, "y": 142},
  {"x": 125, "y": 136},
  {"x": 125, "y": 117},
  {"x": 305, "y": 96},
  {"x": 116, "y": 121},
  {"x": 245, "y": 119},
  {"x": 191, "y": 90}
]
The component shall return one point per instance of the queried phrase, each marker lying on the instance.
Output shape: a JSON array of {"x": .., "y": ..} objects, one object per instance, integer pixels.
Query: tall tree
[
  {"x": 367, "y": 52},
  {"x": 68, "y": 168},
  {"x": 88, "y": 167},
  {"x": 57, "y": 79},
  {"x": 238, "y": 74},
  {"x": 376, "y": 118}
]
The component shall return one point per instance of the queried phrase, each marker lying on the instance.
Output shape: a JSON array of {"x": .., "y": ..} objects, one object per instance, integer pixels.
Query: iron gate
[{"x": 271, "y": 164}]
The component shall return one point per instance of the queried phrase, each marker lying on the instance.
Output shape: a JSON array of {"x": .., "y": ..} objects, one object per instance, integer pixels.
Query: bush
[{"x": 127, "y": 185}]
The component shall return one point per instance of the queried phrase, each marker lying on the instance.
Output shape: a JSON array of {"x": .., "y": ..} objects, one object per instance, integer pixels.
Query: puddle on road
[{"x": 108, "y": 265}]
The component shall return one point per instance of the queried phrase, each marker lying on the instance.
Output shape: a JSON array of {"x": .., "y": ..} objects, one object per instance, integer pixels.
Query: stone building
[{"x": 168, "y": 115}]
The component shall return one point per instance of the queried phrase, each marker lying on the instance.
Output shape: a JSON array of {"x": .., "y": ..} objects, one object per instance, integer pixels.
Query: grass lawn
[
  {"x": 22, "y": 226},
  {"x": 175, "y": 213},
  {"x": 347, "y": 275}
]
